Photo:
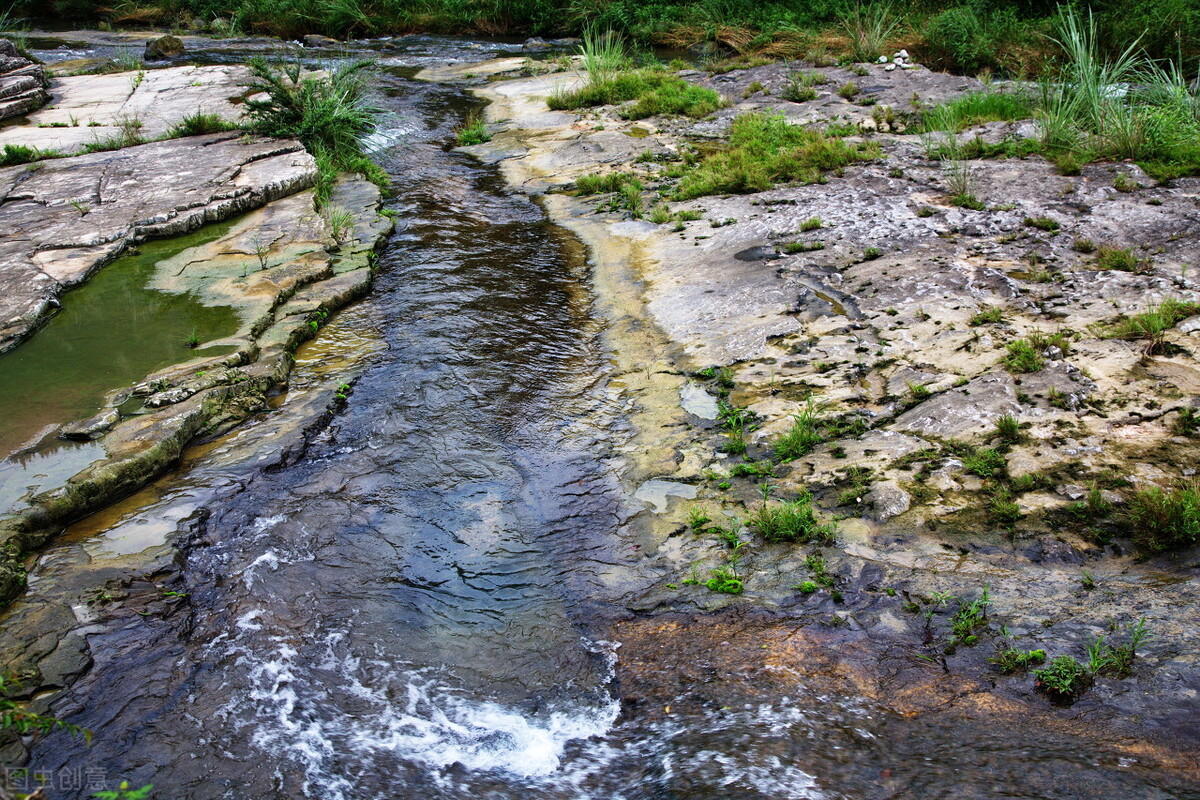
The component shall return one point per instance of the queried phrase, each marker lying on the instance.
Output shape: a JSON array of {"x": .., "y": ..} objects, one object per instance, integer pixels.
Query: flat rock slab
[
  {"x": 64, "y": 218},
  {"x": 85, "y": 109}
]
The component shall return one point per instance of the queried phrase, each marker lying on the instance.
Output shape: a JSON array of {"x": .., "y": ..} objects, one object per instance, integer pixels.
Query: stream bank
[{"x": 790, "y": 326}]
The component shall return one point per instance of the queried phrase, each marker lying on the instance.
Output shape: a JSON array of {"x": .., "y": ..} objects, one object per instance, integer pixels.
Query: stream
[{"x": 414, "y": 601}]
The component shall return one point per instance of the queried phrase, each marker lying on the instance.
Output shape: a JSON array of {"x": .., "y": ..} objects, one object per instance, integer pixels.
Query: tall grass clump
[
  {"x": 328, "y": 113},
  {"x": 804, "y": 435},
  {"x": 1151, "y": 326},
  {"x": 1123, "y": 107},
  {"x": 612, "y": 80},
  {"x": 969, "y": 38},
  {"x": 869, "y": 25},
  {"x": 1164, "y": 519},
  {"x": 765, "y": 149}
]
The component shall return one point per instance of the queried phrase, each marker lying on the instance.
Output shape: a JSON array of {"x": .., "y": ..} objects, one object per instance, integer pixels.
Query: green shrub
[
  {"x": 1064, "y": 679},
  {"x": 969, "y": 39},
  {"x": 1164, "y": 519},
  {"x": 791, "y": 522},
  {"x": 765, "y": 149}
]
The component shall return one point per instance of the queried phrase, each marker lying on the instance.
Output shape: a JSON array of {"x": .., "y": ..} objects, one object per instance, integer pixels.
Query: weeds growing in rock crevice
[{"x": 329, "y": 114}]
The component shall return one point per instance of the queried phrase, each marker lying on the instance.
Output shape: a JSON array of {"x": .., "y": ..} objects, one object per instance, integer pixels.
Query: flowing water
[{"x": 415, "y": 603}]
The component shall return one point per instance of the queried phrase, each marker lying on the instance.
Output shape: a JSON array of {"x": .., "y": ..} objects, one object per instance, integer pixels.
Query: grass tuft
[{"x": 791, "y": 522}]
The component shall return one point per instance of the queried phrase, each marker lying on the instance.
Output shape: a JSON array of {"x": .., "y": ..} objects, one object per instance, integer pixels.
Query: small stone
[
  {"x": 1072, "y": 491},
  {"x": 883, "y": 59},
  {"x": 316, "y": 40},
  {"x": 888, "y": 500},
  {"x": 163, "y": 47},
  {"x": 903, "y": 54},
  {"x": 889, "y": 68}
]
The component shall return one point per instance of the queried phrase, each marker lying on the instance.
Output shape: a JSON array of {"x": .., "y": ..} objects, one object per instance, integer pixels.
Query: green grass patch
[
  {"x": 765, "y": 150},
  {"x": 1151, "y": 326},
  {"x": 1023, "y": 357},
  {"x": 14, "y": 154},
  {"x": 1121, "y": 259},
  {"x": 199, "y": 124},
  {"x": 473, "y": 131},
  {"x": 977, "y": 108},
  {"x": 647, "y": 93}
]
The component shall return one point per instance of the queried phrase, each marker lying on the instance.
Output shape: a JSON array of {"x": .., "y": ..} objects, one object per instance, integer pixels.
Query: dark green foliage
[
  {"x": 1043, "y": 223},
  {"x": 973, "y": 37}
]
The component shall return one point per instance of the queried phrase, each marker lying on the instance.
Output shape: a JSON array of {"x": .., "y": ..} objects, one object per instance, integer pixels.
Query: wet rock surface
[
  {"x": 893, "y": 340},
  {"x": 73, "y": 215}
]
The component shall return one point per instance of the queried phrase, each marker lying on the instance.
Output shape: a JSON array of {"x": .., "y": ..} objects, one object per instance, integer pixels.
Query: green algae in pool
[{"x": 110, "y": 333}]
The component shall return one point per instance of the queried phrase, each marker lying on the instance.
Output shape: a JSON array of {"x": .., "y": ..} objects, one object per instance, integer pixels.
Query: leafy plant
[
  {"x": 1064, "y": 679},
  {"x": 1011, "y": 659},
  {"x": 725, "y": 580}
]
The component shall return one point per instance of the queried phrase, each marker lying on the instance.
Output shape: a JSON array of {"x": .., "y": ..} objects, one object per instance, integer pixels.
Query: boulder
[
  {"x": 163, "y": 47},
  {"x": 22, "y": 83}
]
